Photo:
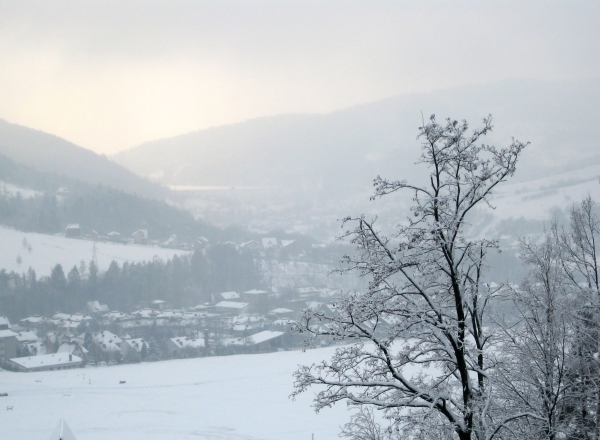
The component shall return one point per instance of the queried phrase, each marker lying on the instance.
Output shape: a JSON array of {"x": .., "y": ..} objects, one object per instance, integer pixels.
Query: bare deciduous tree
[
  {"x": 536, "y": 350},
  {"x": 579, "y": 253},
  {"x": 419, "y": 343}
]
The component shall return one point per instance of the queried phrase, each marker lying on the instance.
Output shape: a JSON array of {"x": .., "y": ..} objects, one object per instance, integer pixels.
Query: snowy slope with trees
[{"x": 42, "y": 252}]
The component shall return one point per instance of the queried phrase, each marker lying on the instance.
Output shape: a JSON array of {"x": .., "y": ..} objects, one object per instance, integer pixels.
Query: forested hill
[
  {"x": 38, "y": 208},
  {"x": 46, "y": 152},
  {"x": 341, "y": 152}
]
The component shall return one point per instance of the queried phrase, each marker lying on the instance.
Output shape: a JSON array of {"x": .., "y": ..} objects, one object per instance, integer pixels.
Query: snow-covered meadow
[
  {"x": 224, "y": 398},
  {"x": 45, "y": 251}
]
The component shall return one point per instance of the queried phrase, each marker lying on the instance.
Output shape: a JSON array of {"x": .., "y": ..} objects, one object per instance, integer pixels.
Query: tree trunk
[{"x": 464, "y": 435}]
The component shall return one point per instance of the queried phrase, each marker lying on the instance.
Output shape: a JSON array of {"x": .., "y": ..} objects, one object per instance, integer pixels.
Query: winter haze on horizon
[
  {"x": 218, "y": 218},
  {"x": 111, "y": 75}
]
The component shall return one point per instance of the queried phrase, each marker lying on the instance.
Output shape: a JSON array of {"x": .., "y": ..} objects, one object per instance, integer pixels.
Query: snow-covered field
[
  {"x": 534, "y": 199},
  {"x": 49, "y": 250},
  {"x": 216, "y": 398},
  {"x": 12, "y": 190}
]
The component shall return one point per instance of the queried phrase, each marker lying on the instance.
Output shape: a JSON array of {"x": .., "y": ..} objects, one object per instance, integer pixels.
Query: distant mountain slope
[
  {"x": 339, "y": 153},
  {"x": 45, "y": 251},
  {"x": 28, "y": 203},
  {"x": 49, "y": 153}
]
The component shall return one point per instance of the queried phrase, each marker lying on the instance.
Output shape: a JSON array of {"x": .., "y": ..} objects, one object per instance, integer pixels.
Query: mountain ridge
[
  {"x": 49, "y": 153},
  {"x": 349, "y": 147}
]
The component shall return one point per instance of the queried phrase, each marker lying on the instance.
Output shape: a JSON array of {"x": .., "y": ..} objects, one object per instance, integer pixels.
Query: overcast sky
[{"x": 109, "y": 75}]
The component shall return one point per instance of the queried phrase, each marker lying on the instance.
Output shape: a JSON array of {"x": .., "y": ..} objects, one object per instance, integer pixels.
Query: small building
[
  {"x": 73, "y": 347},
  {"x": 4, "y": 323},
  {"x": 281, "y": 312},
  {"x": 251, "y": 245},
  {"x": 56, "y": 361},
  {"x": 159, "y": 304},
  {"x": 95, "y": 308},
  {"x": 184, "y": 346},
  {"x": 114, "y": 236},
  {"x": 201, "y": 243},
  {"x": 267, "y": 340},
  {"x": 228, "y": 296},
  {"x": 8, "y": 345},
  {"x": 255, "y": 296},
  {"x": 73, "y": 231},
  {"x": 171, "y": 242},
  {"x": 291, "y": 246},
  {"x": 24, "y": 341},
  {"x": 231, "y": 307},
  {"x": 140, "y": 236},
  {"x": 107, "y": 346},
  {"x": 269, "y": 242},
  {"x": 131, "y": 349},
  {"x": 34, "y": 321}
]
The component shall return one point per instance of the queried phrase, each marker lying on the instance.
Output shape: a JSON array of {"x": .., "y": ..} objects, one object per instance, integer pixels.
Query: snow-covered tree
[
  {"x": 536, "y": 353},
  {"x": 579, "y": 248},
  {"x": 419, "y": 342},
  {"x": 154, "y": 353}
]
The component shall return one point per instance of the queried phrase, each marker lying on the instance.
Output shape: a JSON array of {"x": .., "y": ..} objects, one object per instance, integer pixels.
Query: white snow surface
[
  {"x": 534, "y": 199},
  {"x": 242, "y": 397},
  {"x": 49, "y": 250},
  {"x": 12, "y": 190}
]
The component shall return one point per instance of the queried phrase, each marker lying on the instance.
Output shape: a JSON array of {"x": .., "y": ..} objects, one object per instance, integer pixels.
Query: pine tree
[{"x": 154, "y": 351}]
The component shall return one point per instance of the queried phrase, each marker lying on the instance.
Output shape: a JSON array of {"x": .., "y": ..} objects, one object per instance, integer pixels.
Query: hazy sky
[{"x": 109, "y": 75}]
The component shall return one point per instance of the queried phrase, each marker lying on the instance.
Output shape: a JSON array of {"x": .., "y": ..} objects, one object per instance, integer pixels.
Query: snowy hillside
[
  {"x": 225, "y": 398},
  {"x": 534, "y": 199},
  {"x": 49, "y": 250},
  {"x": 8, "y": 189}
]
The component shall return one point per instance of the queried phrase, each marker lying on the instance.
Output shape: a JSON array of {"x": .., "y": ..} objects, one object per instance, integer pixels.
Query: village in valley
[{"x": 235, "y": 323}]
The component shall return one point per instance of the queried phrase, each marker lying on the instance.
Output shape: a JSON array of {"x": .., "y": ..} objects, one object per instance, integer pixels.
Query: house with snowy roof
[
  {"x": 34, "y": 321},
  {"x": 228, "y": 296},
  {"x": 140, "y": 236},
  {"x": 231, "y": 307},
  {"x": 4, "y": 323},
  {"x": 266, "y": 340},
  {"x": 106, "y": 346},
  {"x": 94, "y": 307},
  {"x": 269, "y": 242},
  {"x": 132, "y": 348},
  {"x": 26, "y": 337},
  {"x": 159, "y": 304},
  {"x": 114, "y": 236},
  {"x": 251, "y": 245},
  {"x": 73, "y": 347},
  {"x": 244, "y": 323},
  {"x": 260, "y": 342},
  {"x": 8, "y": 345},
  {"x": 291, "y": 246},
  {"x": 255, "y": 296},
  {"x": 36, "y": 348},
  {"x": 55, "y": 361},
  {"x": 281, "y": 311},
  {"x": 73, "y": 231},
  {"x": 184, "y": 346}
]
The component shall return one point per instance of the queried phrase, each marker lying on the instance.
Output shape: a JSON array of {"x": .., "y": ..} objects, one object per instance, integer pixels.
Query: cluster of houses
[
  {"x": 140, "y": 236},
  {"x": 265, "y": 244},
  {"x": 253, "y": 321}
]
